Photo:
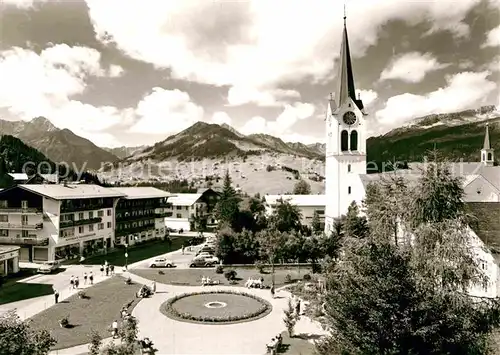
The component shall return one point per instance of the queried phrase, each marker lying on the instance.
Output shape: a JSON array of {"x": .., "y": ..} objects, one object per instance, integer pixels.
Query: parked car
[
  {"x": 161, "y": 262},
  {"x": 205, "y": 250},
  {"x": 204, "y": 255},
  {"x": 205, "y": 261},
  {"x": 49, "y": 267}
]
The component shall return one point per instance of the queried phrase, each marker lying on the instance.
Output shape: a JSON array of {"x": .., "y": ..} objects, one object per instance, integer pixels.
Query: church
[{"x": 346, "y": 177}]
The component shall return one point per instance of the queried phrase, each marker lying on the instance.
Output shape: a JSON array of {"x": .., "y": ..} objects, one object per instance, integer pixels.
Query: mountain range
[
  {"x": 59, "y": 145},
  {"x": 458, "y": 135}
]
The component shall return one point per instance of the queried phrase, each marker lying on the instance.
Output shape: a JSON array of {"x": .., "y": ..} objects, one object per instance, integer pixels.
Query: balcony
[
  {"x": 133, "y": 230},
  {"x": 24, "y": 226},
  {"x": 163, "y": 214},
  {"x": 30, "y": 210},
  {"x": 135, "y": 218},
  {"x": 80, "y": 208},
  {"x": 80, "y": 222},
  {"x": 38, "y": 241}
]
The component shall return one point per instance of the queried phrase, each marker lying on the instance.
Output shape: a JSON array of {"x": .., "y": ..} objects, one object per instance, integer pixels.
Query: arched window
[
  {"x": 490, "y": 156},
  {"x": 348, "y": 168},
  {"x": 344, "y": 141},
  {"x": 354, "y": 141}
]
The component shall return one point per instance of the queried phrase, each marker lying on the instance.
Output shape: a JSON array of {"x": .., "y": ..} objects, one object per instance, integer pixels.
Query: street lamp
[{"x": 126, "y": 256}]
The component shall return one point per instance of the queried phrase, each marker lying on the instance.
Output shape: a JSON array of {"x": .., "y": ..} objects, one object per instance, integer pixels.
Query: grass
[
  {"x": 138, "y": 253},
  {"x": 298, "y": 345},
  {"x": 12, "y": 290},
  {"x": 97, "y": 312},
  {"x": 192, "y": 277}
]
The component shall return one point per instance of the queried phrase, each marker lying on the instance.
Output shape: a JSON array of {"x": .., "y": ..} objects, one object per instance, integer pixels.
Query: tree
[
  {"x": 316, "y": 223},
  {"x": 18, "y": 337},
  {"x": 224, "y": 246},
  {"x": 302, "y": 188},
  {"x": 271, "y": 242},
  {"x": 402, "y": 289},
  {"x": 290, "y": 318},
  {"x": 227, "y": 207},
  {"x": 354, "y": 225},
  {"x": 285, "y": 217},
  {"x": 129, "y": 340},
  {"x": 95, "y": 343}
]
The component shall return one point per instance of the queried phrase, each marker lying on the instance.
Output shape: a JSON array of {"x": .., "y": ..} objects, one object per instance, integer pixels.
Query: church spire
[
  {"x": 345, "y": 77},
  {"x": 486, "y": 144}
]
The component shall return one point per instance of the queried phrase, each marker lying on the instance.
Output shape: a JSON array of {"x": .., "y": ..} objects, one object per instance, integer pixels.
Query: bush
[
  {"x": 64, "y": 322},
  {"x": 307, "y": 277},
  {"x": 259, "y": 266},
  {"x": 288, "y": 279},
  {"x": 230, "y": 275},
  {"x": 219, "y": 269},
  {"x": 316, "y": 268}
]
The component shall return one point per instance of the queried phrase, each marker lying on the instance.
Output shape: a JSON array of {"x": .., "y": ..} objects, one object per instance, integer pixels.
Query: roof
[
  {"x": 71, "y": 191},
  {"x": 8, "y": 249},
  {"x": 486, "y": 144},
  {"x": 468, "y": 171},
  {"x": 184, "y": 199},
  {"x": 19, "y": 176},
  {"x": 298, "y": 200},
  {"x": 487, "y": 225},
  {"x": 143, "y": 192}
]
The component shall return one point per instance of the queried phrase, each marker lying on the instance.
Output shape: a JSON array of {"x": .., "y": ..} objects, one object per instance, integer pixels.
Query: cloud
[
  {"x": 464, "y": 90},
  {"x": 23, "y": 3},
  {"x": 221, "y": 117},
  {"x": 166, "y": 111},
  {"x": 368, "y": 96},
  {"x": 281, "y": 126},
  {"x": 246, "y": 44},
  {"x": 240, "y": 95},
  {"x": 411, "y": 67},
  {"x": 115, "y": 71},
  {"x": 493, "y": 38}
]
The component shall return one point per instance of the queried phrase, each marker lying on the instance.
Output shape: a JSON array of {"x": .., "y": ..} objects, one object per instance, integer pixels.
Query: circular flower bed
[{"x": 206, "y": 307}]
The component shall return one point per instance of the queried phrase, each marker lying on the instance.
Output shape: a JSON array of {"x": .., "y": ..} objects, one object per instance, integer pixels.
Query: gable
[{"x": 481, "y": 190}]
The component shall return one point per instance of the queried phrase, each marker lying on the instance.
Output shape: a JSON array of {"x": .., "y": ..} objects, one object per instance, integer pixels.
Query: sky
[{"x": 135, "y": 72}]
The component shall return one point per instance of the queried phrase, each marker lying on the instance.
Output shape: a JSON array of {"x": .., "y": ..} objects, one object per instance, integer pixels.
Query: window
[
  {"x": 100, "y": 213},
  {"x": 109, "y": 225},
  {"x": 108, "y": 212},
  {"x": 91, "y": 214},
  {"x": 100, "y": 226},
  {"x": 3, "y": 204},
  {"x": 91, "y": 227},
  {"x": 24, "y": 204},
  {"x": 490, "y": 156},
  {"x": 179, "y": 215},
  {"x": 81, "y": 216},
  {"x": 348, "y": 168},
  {"x": 4, "y": 233},
  {"x": 25, "y": 234},
  {"x": 24, "y": 219},
  {"x": 179, "y": 207},
  {"x": 4, "y": 218},
  {"x": 187, "y": 208},
  {"x": 354, "y": 141},
  {"x": 80, "y": 229},
  {"x": 349, "y": 190},
  {"x": 344, "y": 141}
]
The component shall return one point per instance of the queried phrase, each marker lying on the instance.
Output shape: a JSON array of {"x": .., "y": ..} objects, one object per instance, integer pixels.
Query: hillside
[
  {"x": 124, "y": 152},
  {"x": 457, "y": 136},
  {"x": 14, "y": 156},
  {"x": 59, "y": 145}
]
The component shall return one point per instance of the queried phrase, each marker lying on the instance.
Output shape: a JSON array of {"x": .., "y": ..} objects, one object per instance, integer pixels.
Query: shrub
[
  {"x": 230, "y": 275},
  {"x": 307, "y": 277},
  {"x": 316, "y": 268},
  {"x": 288, "y": 278},
  {"x": 219, "y": 269},
  {"x": 64, "y": 322},
  {"x": 260, "y": 267}
]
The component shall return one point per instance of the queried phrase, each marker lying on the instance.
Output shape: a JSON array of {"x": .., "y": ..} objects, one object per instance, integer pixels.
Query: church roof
[
  {"x": 487, "y": 223},
  {"x": 346, "y": 88},
  {"x": 486, "y": 144}
]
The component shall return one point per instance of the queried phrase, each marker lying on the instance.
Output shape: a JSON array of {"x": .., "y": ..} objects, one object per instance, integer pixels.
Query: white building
[
  {"x": 307, "y": 204},
  {"x": 55, "y": 221},
  {"x": 140, "y": 214},
  {"x": 185, "y": 207},
  {"x": 346, "y": 178}
]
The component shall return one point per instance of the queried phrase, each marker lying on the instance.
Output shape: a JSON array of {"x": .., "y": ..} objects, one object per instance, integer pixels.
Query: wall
[
  {"x": 487, "y": 193},
  {"x": 307, "y": 213}
]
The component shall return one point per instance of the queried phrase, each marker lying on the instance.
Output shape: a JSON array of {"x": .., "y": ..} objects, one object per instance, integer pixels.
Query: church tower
[
  {"x": 345, "y": 141},
  {"x": 487, "y": 156}
]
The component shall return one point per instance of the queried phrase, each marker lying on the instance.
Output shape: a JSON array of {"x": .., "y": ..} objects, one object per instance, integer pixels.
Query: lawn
[
  {"x": 97, "y": 312},
  {"x": 13, "y": 291},
  {"x": 138, "y": 253},
  {"x": 192, "y": 277}
]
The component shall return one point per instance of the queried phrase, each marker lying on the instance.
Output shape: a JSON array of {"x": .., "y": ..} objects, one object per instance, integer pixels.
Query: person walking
[
  {"x": 114, "y": 327},
  {"x": 182, "y": 247},
  {"x": 56, "y": 295},
  {"x": 91, "y": 278},
  {"x": 153, "y": 287},
  {"x": 84, "y": 278},
  {"x": 107, "y": 269},
  {"x": 102, "y": 270},
  {"x": 77, "y": 282},
  {"x": 112, "y": 269},
  {"x": 272, "y": 291},
  {"x": 71, "y": 282},
  {"x": 297, "y": 308}
]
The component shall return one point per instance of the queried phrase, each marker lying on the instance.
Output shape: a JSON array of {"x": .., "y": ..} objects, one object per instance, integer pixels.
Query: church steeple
[
  {"x": 487, "y": 157},
  {"x": 345, "y": 88}
]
